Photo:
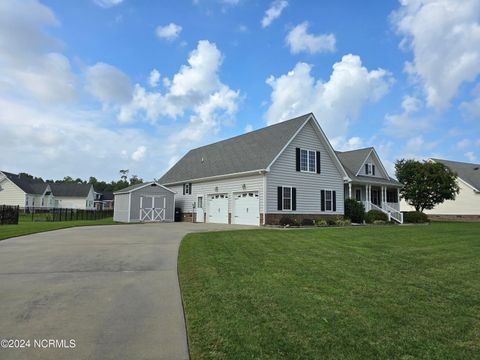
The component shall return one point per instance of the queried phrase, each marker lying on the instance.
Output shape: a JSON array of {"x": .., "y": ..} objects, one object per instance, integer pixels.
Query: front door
[
  {"x": 200, "y": 212},
  {"x": 376, "y": 196}
]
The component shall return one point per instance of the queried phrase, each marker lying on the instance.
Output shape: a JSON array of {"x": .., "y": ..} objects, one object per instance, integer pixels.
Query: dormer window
[{"x": 370, "y": 169}]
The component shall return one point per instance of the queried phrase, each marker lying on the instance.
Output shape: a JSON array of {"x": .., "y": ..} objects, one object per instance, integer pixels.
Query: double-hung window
[
  {"x": 287, "y": 198},
  {"x": 308, "y": 160},
  {"x": 370, "y": 169},
  {"x": 328, "y": 200}
]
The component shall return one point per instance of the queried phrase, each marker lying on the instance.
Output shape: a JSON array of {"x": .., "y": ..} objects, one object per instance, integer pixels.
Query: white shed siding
[
  {"x": 11, "y": 194},
  {"x": 283, "y": 173},
  {"x": 467, "y": 202},
  {"x": 121, "y": 208},
  {"x": 225, "y": 186}
]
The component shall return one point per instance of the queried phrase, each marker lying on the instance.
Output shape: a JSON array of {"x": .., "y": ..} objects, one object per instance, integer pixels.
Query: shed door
[
  {"x": 152, "y": 208},
  {"x": 218, "y": 208},
  {"x": 247, "y": 208}
]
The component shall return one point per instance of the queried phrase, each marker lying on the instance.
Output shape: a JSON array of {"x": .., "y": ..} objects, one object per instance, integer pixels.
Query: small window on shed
[{"x": 153, "y": 184}]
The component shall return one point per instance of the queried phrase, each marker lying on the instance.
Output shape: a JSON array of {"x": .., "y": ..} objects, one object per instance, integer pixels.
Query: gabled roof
[
  {"x": 252, "y": 151},
  {"x": 131, "y": 188},
  {"x": 468, "y": 172},
  {"x": 353, "y": 160},
  {"x": 27, "y": 185},
  {"x": 107, "y": 195},
  {"x": 70, "y": 190}
]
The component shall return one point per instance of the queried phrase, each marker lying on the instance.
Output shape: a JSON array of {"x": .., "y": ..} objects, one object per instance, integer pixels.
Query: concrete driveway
[{"x": 112, "y": 289}]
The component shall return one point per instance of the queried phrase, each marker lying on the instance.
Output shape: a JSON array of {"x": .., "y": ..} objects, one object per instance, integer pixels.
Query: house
[
  {"x": 104, "y": 200},
  {"x": 147, "y": 202},
  {"x": 466, "y": 205},
  {"x": 286, "y": 169},
  {"x": 18, "y": 190}
]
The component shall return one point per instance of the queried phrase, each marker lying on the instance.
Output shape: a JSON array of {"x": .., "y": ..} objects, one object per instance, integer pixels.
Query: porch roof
[{"x": 370, "y": 180}]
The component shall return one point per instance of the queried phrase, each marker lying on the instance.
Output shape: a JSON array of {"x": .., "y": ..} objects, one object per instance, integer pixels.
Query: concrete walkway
[{"x": 112, "y": 289}]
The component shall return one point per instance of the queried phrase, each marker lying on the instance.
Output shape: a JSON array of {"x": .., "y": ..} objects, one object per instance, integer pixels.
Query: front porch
[{"x": 376, "y": 197}]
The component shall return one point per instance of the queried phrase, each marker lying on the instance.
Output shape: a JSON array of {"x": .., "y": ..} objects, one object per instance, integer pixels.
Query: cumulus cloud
[
  {"x": 154, "y": 78},
  {"x": 273, "y": 12},
  {"x": 407, "y": 122},
  {"x": 108, "y": 84},
  {"x": 444, "y": 36},
  {"x": 335, "y": 102},
  {"x": 139, "y": 153},
  {"x": 107, "y": 3},
  {"x": 168, "y": 32},
  {"x": 298, "y": 39},
  {"x": 470, "y": 155}
]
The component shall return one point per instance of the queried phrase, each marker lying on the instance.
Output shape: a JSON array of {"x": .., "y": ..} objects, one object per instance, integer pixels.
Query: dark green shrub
[
  {"x": 373, "y": 215},
  {"x": 415, "y": 217},
  {"x": 286, "y": 221},
  {"x": 331, "y": 221},
  {"x": 354, "y": 210},
  {"x": 308, "y": 222}
]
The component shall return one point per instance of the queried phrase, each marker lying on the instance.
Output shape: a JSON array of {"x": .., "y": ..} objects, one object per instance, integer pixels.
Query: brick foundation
[
  {"x": 454, "y": 217},
  {"x": 273, "y": 219}
]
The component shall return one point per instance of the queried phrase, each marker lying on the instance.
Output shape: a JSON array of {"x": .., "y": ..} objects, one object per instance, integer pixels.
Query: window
[
  {"x": 187, "y": 188},
  {"x": 328, "y": 200},
  {"x": 392, "y": 196},
  {"x": 370, "y": 169},
  {"x": 287, "y": 198},
  {"x": 358, "y": 195},
  {"x": 308, "y": 160},
  {"x": 1, "y": 188},
  {"x": 367, "y": 169}
]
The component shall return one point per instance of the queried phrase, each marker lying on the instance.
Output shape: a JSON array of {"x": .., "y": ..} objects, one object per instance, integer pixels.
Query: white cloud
[
  {"x": 248, "y": 128},
  {"x": 168, "y": 32},
  {"x": 300, "y": 40},
  {"x": 341, "y": 143},
  {"x": 335, "y": 102},
  {"x": 108, "y": 84},
  {"x": 407, "y": 123},
  {"x": 444, "y": 36},
  {"x": 464, "y": 144},
  {"x": 139, "y": 153},
  {"x": 273, "y": 12},
  {"x": 107, "y": 3},
  {"x": 470, "y": 155},
  {"x": 154, "y": 78}
]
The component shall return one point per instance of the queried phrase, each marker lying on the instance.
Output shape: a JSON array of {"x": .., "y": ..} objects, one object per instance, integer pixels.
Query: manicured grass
[
  {"x": 28, "y": 227},
  {"x": 392, "y": 292}
]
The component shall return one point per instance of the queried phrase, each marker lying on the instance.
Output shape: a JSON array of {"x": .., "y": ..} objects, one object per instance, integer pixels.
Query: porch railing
[{"x": 392, "y": 213}]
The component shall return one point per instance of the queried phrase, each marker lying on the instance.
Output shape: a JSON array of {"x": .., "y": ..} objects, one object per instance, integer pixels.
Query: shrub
[
  {"x": 308, "y": 222},
  {"x": 321, "y": 222},
  {"x": 331, "y": 221},
  {"x": 415, "y": 217},
  {"x": 342, "y": 222},
  {"x": 296, "y": 222},
  {"x": 373, "y": 215},
  {"x": 286, "y": 221},
  {"x": 354, "y": 210}
]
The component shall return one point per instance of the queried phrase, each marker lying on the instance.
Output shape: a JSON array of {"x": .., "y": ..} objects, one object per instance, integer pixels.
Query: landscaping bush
[
  {"x": 342, "y": 222},
  {"x": 331, "y": 221},
  {"x": 321, "y": 222},
  {"x": 286, "y": 221},
  {"x": 354, "y": 210},
  {"x": 415, "y": 217},
  {"x": 308, "y": 222},
  {"x": 374, "y": 215}
]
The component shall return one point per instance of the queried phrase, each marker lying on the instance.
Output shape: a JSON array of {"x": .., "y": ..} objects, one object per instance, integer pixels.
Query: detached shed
[{"x": 147, "y": 202}]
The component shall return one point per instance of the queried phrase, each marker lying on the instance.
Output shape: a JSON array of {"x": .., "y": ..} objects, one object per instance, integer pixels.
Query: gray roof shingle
[
  {"x": 70, "y": 190},
  {"x": 27, "y": 185},
  {"x": 251, "y": 151},
  {"x": 468, "y": 172}
]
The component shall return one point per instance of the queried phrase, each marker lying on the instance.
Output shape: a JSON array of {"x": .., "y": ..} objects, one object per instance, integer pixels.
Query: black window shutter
[
  {"x": 280, "y": 198},
  {"x": 322, "y": 200},
  {"x": 183, "y": 189},
  {"x": 318, "y": 162},
  {"x": 373, "y": 169},
  {"x": 297, "y": 157},
  {"x": 334, "y": 199},
  {"x": 294, "y": 198},
  {"x": 190, "y": 188}
]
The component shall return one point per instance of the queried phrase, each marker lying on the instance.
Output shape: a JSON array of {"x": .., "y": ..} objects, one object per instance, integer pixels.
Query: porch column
[
  {"x": 368, "y": 199},
  {"x": 349, "y": 190},
  {"x": 384, "y": 194}
]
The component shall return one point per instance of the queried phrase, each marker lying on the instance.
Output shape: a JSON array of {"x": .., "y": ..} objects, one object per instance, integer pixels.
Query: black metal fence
[
  {"x": 58, "y": 214},
  {"x": 9, "y": 214}
]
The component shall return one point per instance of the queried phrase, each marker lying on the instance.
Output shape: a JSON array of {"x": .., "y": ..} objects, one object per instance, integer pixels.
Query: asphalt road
[{"x": 113, "y": 290}]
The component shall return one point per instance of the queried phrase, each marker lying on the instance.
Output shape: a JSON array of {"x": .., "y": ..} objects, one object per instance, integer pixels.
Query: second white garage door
[
  {"x": 246, "y": 208},
  {"x": 218, "y": 209}
]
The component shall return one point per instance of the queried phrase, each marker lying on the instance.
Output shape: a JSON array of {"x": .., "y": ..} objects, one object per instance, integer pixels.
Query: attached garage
[
  {"x": 217, "y": 211},
  {"x": 246, "y": 208},
  {"x": 147, "y": 202}
]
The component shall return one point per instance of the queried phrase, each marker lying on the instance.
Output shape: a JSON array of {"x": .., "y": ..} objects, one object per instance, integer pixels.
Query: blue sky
[{"x": 94, "y": 86}]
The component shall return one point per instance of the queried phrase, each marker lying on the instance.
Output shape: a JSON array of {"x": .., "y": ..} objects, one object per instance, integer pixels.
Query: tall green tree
[{"x": 426, "y": 183}]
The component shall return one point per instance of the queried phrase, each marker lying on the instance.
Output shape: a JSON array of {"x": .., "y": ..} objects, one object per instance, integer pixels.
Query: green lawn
[
  {"x": 393, "y": 292},
  {"x": 26, "y": 226}
]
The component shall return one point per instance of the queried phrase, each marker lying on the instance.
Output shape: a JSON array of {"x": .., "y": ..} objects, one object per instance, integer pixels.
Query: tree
[
  {"x": 426, "y": 183},
  {"x": 134, "y": 180},
  {"x": 124, "y": 174}
]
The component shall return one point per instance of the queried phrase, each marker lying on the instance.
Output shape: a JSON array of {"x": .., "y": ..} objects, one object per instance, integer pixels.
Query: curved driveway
[{"x": 112, "y": 289}]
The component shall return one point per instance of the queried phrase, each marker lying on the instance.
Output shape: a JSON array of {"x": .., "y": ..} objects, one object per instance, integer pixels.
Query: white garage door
[
  {"x": 218, "y": 208},
  {"x": 246, "y": 209}
]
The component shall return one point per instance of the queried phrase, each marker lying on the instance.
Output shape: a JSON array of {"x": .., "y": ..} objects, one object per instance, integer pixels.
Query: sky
[{"x": 94, "y": 86}]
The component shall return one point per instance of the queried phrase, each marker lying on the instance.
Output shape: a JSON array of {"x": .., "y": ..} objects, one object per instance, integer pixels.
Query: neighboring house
[
  {"x": 74, "y": 196},
  {"x": 20, "y": 191},
  {"x": 466, "y": 205},
  {"x": 27, "y": 193},
  {"x": 286, "y": 169},
  {"x": 104, "y": 200}
]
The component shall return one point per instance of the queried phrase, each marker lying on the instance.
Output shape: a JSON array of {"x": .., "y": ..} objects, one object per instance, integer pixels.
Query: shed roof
[{"x": 132, "y": 188}]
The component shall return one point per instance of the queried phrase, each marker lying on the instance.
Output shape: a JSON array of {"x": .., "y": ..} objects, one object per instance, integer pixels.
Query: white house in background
[
  {"x": 286, "y": 169},
  {"x": 17, "y": 190},
  {"x": 467, "y": 202}
]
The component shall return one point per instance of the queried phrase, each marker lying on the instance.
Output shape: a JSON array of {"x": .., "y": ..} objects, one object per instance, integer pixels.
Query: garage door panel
[
  {"x": 247, "y": 208},
  {"x": 218, "y": 209}
]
